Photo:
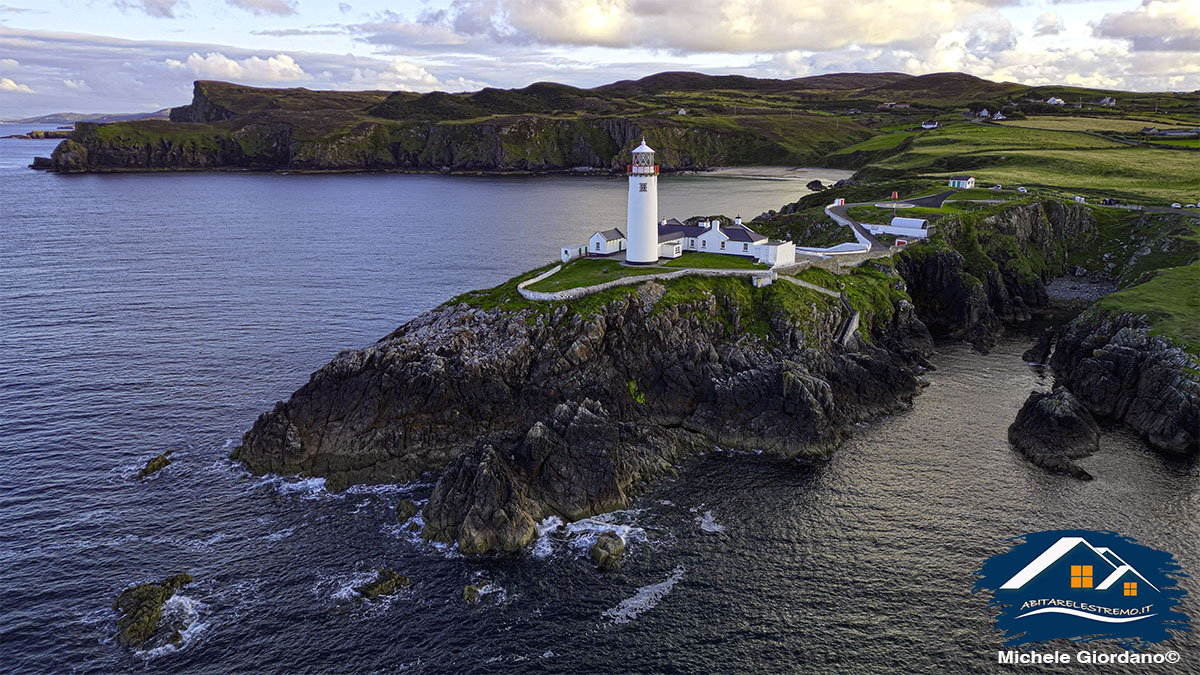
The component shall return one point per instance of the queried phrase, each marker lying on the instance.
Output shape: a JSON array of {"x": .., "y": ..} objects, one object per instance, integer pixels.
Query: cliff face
[
  {"x": 1120, "y": 372},
  {"x": 534, "y": 413},
  {"x": 989, "y": 270}
]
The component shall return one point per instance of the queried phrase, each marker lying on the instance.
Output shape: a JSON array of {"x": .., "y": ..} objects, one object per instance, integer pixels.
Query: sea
[{"x": 141, "y": 313}]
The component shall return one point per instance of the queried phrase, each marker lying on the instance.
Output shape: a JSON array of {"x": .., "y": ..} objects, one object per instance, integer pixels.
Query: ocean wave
[
  {"x": 179, "y": 610},
  {"x": 581, "y": 534},
  {"x": 646, "y": 598},
  {"x": 708, "y": 523}
]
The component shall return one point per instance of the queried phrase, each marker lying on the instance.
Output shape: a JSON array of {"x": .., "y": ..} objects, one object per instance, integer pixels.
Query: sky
[{"x": 142, "y": 55}]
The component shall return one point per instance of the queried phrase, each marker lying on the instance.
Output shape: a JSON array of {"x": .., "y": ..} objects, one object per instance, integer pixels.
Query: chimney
[{"x": 737, "y": 220}]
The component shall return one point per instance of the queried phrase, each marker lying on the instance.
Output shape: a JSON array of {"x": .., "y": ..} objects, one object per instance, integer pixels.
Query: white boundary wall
[{"x": 572, "y": 293}]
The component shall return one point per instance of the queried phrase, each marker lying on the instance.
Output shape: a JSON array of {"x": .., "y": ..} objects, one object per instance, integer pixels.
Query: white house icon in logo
[{"x": 1064, "y": 546}]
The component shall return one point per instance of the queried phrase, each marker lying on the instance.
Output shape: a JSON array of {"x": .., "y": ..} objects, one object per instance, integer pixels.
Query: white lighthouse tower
[{"x": 642, "y": 224}]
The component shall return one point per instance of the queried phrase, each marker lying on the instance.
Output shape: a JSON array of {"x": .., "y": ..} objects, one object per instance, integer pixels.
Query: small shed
[
  {"x": 606, "y": 242},
  {"x": 964, "y": 182}
]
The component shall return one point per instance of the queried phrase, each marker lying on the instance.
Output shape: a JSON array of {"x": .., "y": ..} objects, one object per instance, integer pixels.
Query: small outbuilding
[
  {"x": 607, "y": 242},
  {"x": 964, "y": 182}
]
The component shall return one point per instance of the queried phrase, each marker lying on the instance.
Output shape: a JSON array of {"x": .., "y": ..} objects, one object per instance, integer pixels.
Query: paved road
[{"x": 932, "y": 201}]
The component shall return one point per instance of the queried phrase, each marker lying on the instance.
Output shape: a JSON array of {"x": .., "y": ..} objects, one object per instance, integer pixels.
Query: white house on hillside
[
  {"x": 709, "y": 236},
  {"x": 1054, "y": 100},
  {"x": 964, "y": 182},
  {"x": 607, "y": 242},
  {"x": 603, "y": 243}
]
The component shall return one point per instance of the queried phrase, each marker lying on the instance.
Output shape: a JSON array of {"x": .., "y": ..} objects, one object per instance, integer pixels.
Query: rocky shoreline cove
[
  {"x": 533, "y": 410},
  {"x": 532, "y": 415}
]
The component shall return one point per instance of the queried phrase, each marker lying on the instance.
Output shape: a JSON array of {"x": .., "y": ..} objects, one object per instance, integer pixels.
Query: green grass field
[
  {"x": 1180, "y": 142},
  {"x": 713, "y": 261},
  {"x": 1069, "y": 161},
  {"x": 883, "y": 142},
  {"x": 1171, "y": 300},
  {"x": 589, "y": 272},
  {"x": 1072, "y": 123}
]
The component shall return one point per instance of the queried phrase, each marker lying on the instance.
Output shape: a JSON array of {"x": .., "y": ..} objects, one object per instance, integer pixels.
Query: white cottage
[
  {"x": 964, "y": 182},
  {"x": 607, "y": 242}
]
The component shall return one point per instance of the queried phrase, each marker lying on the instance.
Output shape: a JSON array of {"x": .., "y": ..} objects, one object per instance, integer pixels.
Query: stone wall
[{"x": 573, "y": 293}]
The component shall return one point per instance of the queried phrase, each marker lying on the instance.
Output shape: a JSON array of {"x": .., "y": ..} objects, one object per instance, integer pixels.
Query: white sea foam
[
  {"x": 708, "y": 523},
  {"x": 646, "y": 598},
  {"x": 582, "y": 534},
  {"x": 179, "y": 610},
  {"x": 282, "y": 534}
]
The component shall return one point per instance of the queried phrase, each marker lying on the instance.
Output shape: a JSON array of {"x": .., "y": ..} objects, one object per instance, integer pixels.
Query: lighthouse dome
[{"x": 643, "y": 148}]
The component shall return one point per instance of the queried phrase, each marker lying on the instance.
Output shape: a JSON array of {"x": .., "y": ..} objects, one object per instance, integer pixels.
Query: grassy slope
[
  {"x": 1069, "y": 161},
  {"x": 1170, "y": 300}
]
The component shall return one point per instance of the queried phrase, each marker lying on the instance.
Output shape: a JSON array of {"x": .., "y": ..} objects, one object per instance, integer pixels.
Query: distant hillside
[
  {"x": 695, "y": 121},
  {"x": 71, "y": 118}
]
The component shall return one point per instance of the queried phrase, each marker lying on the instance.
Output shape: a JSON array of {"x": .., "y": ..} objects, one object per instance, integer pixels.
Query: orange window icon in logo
[
  {"x": 1130, "y": 588},
  {"x": 1081, "y": 576}
]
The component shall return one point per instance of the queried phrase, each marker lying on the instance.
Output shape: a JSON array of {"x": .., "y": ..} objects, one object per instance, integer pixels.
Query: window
[
  {"x": 1130, "y": 588},
  {"x": 597, "y": 246},
  {"x": 641, "y": 187},
  {"x": 722, "y": 246},
  {"x": 703, "y": 243},
  {"x": 745, "y": 247},
  {"x": 1081, "y": 576}
]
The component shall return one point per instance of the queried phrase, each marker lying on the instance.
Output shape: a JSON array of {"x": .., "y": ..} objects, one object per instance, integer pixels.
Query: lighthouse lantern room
[{"x": 642, "y": 223}]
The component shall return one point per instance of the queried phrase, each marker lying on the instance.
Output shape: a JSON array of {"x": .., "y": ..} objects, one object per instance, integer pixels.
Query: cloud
[
  {"x": 1157, "y": 25},
  {"x": 344, "y": 7},
  {"x": 215, "y": 65},
  {"x": 77, "y": 85},
  {"x": 162, "y": 9},
  {"x": 1048, "y": 24},
  {"x": 9, "y": 9},
  {"x": 262, "y": 7},
  {"x": 297, "y": 32},
  {"x": 10, "y": 86},
  {"x": 9, "y": 63}
]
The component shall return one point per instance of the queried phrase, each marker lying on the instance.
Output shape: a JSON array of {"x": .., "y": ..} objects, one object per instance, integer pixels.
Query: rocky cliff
[
  {"x": 1120, "y": 372},
  {"x": 233, "y": 127},
  {"x": 564, "y": 409},
  {"x": 984, "y": 270}
]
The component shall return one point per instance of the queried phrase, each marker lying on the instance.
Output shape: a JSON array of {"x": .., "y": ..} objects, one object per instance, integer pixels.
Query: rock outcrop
[
  {"x": 156, "y": 464},
  {"x": 1122, "y": 373},
  {"x": 608, "y": 552},
  {"x": 1052, "y": 429},
  {"x": 545, "y": 412},
  {"x": 387, "y": 581},
  {"x": 995, "y": 269},
  {"x": 1040, "y": 351},
  {"x": 139, "y": 612}
]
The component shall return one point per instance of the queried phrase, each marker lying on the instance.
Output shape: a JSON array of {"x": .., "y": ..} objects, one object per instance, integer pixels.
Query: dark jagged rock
[
  {"x": 156, "y": 464},
  {"x": 405, "y": 510},
  {"x": 201, "y": 109},
  {"x": 472, "y": 593},
  {"x": 949, "y": 301},
  {"x": 608, "y": 551},
  {"x": 139, "y": 610},
  {"x": 1052, "y": 429},
  {"x": 1040, "y": 351},
  {"x": 995, "y": 270},
  {"x": 533, "y": 415},
  {"x": 815, "y": 185},
  {"x": 70, "y": 157},
  {"x": 42, "y": 164},
  {"x": 387, "y": 581},
  {"x": 1120, "y": 372}
]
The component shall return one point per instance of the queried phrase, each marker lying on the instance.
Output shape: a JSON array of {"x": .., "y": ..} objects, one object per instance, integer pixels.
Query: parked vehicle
[
  {"x": 1177, "y": 205},
  {"x": 1022, "y": 190}
]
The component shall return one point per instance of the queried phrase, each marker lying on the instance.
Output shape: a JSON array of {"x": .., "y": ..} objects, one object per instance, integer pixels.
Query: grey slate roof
[
  {"x": 742, "y": 233},
  {"x": 610, "y": 235}
]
